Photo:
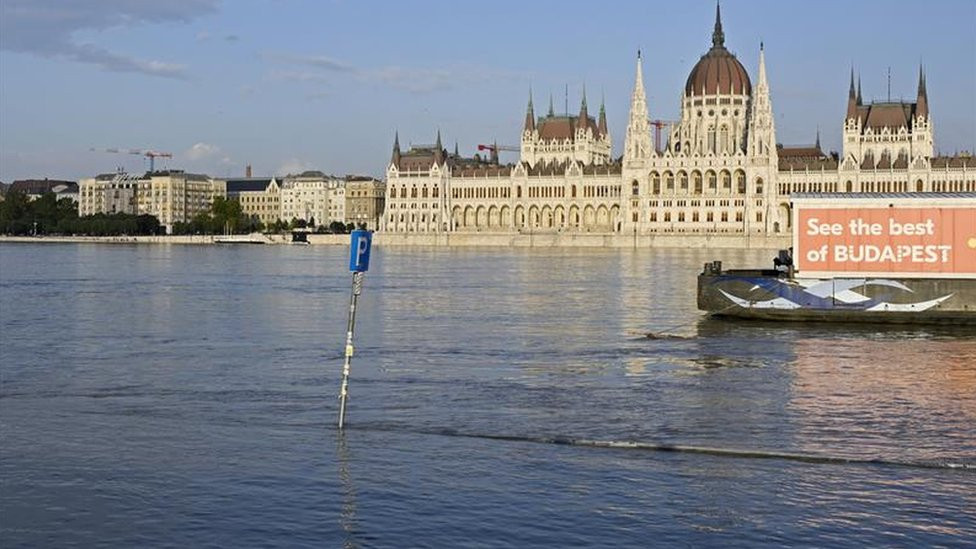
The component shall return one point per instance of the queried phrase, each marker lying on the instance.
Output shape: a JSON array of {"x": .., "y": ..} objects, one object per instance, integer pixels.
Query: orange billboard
[{"x": 905, "y": 241}]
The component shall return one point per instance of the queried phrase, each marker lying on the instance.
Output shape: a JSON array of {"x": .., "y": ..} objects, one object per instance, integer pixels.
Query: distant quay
[
  {"x": 504, "y": 240},
  {"x": 583, "y": 240}
]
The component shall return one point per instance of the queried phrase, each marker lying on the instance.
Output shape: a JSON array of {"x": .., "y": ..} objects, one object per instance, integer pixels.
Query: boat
[
  {"x": 861, "y": 257},
  {"x": 253, "y": 238}
]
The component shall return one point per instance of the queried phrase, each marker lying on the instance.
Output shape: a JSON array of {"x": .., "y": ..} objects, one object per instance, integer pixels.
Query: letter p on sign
[{"x": 359, "y": 251}]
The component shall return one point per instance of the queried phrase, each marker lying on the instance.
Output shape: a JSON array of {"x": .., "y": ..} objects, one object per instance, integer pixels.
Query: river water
[{"x": 155, "y": 395}]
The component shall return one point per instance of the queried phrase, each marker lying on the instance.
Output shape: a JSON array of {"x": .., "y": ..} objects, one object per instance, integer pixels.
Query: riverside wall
[
  {"x": 506, "y": 240},
  {"x": 582, "y": 240}
]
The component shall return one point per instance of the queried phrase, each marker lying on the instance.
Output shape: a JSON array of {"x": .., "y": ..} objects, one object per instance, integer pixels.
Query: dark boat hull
[{"x": 772, "y": 295}]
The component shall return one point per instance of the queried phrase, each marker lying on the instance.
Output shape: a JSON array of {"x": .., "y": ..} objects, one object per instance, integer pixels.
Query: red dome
[{"x": 718, "y": 71}]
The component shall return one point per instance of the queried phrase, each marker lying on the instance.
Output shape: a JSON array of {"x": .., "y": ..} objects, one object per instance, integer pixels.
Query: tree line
[
  {"x": 227, "y": 217},
  {"x": 19, "y": 215}
]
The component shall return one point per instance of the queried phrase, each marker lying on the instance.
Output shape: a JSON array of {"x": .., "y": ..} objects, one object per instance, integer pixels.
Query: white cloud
[
  {"x": 199, "y": 151},
  {"x": 318, "y": 61},
  {"x": 294, "y": 166},
  {"x": 299, "y": 76},
  {"x": 47, "y": 28},
  {"x": 411, "y": 79}
]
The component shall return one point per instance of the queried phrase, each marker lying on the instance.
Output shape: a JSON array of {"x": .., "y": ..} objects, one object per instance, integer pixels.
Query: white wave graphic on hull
[
  {"x": 844, "y": 295},
  {"x": 841, "y": 289},
  {"x": 908, "y": 307},
  {"x": 777, "y": 303}
]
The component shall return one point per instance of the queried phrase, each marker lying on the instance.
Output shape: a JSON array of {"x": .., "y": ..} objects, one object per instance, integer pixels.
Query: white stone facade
[
  {"x": 720, "y": 173},
  {"x": 313, "y": 196}
]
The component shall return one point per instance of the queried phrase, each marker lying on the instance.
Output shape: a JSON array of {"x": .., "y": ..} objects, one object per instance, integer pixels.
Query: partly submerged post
[{"x": 358, "y": 264}]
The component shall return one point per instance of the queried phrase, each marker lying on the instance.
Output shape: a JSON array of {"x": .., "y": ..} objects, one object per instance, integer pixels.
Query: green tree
[{"x": 14, "y": 213}]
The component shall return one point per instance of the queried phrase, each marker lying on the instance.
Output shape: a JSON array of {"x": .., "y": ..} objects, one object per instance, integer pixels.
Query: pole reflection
[{"x": 347, "y": 514}]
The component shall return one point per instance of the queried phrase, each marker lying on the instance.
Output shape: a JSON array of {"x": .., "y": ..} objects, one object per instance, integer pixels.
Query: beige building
[
  {"x": 171, "y": 196},
  {"x": 719, "y": 172},
  {"x": 313, "y": 196},
  {"x": 365, "y": 199},
  {"x": 260, "y": 197}
]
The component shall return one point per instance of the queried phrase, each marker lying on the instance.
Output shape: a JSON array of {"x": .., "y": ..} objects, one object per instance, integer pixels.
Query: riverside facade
[{"x": 719, "y": 173}]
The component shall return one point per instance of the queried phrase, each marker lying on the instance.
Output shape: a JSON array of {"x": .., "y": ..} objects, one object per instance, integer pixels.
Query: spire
[
  {"x": 602, "y": 123},
  {"x": 922, "y": 103},
  {"x": 762, "y": 67},
  {"x": 637, "y": 143},
  {"x": 718, "y": 37},
  {"x": 852, "y": 101},
  {"x": 396, "y": 149},
  {"x": 583, "y": 114},
  {"x": 530, "y": 115},
  {"x": 551, "y": 111},
  {"x": 438, "y": 150},
  {"x": 639, "y": 79},
  {"x": 859, "y": 103},
  {"x": 818, "y": 138},
  {"x": 456, "y": 154},
  {"x": 761, "y": 135}
]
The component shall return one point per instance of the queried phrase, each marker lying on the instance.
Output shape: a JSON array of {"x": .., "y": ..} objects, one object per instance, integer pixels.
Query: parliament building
[{"x": 719, "y": 172}]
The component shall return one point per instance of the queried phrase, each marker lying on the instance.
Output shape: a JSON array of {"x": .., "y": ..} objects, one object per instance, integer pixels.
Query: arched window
[{"x": 635, "y": 188}]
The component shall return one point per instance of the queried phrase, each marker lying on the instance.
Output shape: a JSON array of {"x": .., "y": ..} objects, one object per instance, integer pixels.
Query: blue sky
[{"x": 287, "y": 85}]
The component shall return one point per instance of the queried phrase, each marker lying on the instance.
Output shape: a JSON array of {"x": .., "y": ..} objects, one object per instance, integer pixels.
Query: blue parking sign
[{"x": 359, "y": 251}]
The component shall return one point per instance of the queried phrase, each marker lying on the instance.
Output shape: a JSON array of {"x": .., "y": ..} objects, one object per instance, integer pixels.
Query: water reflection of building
[
  {"x": 720, "y": 171},
  {"x": 872, "y": 390}
]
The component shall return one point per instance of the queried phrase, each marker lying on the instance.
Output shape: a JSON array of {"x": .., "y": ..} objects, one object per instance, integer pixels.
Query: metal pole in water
[
  {"x": 358, "y": 263},
  {"x": 357, "y": 288}
]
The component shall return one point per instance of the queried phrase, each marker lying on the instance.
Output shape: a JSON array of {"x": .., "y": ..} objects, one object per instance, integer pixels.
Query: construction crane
[
  {"x": 658, "y": 124},
  {"x": 150, "y": 154},
  {"x": 496, "y": 147}
]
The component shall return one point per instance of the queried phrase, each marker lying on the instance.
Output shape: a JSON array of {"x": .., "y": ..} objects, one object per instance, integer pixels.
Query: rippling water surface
[{"x": 186, "y": 396}]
